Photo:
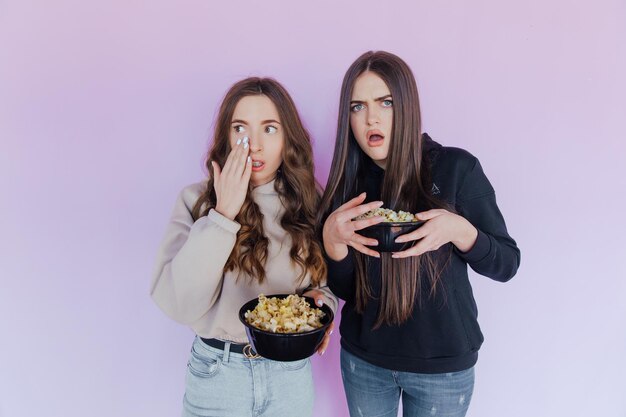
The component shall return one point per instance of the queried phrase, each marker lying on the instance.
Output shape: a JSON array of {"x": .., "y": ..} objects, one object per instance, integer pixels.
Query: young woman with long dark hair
[
  {"x": 409, "y": 326},
  {"x": 248, "y": 229}
]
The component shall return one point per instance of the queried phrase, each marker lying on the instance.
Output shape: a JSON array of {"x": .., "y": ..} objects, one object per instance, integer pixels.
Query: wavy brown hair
[
  {"x": 405, "y": 185},
  {"x": 295, "y": 184}
]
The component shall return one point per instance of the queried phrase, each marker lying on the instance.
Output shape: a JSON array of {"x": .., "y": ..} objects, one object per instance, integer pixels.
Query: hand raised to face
[{"x": 231, "y": 181}]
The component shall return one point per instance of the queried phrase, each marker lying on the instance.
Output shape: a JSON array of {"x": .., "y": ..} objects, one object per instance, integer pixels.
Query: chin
[
  {"x": 256, "y": 177},
  {"x": 260, "y": 178},
  {"x": 378, "y": 156}
]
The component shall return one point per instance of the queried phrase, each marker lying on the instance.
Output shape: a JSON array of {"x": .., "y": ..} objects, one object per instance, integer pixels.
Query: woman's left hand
[
  {"x": 318, "y": 296},
  {"x": 440, "y": 228}
]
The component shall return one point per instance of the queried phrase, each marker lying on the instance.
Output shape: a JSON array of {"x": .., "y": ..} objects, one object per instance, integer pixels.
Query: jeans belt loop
[{"x": 226, "y": 351}]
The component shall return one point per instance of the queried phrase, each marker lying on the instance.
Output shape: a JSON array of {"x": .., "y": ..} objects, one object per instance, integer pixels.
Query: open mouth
[
  {"x": 375, "y": 138},
  {"x": 257, "y": 165}
]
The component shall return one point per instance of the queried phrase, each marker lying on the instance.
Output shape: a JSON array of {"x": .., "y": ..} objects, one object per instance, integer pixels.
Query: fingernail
[
  {"x": 245, "y": 145},
  {"x": 322, "y": 353},
  {"x": 249, "y": 159},
  {"x": 319, "y": 303},
  {"x": 238, "y": 141},
  {"x": 331, "y": 332},
  {"x": 246, "y": 139}
]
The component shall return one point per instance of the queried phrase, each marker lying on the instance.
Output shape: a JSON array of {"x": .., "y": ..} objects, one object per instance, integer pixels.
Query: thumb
[
  {"x": 315, "y": 295},
  {"x": 216, "y": 171}
]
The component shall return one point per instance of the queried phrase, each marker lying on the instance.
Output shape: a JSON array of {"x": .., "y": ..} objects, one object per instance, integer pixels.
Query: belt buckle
[{"x": 248, "y": 352}]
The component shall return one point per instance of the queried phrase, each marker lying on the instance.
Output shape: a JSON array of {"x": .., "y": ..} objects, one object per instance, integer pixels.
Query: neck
[
  {"x": 263, "y": 181},
  {"x": 382, "y": 163}
]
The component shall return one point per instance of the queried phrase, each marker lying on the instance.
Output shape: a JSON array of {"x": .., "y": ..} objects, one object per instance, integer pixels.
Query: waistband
[{"x": 243, "y": 349}]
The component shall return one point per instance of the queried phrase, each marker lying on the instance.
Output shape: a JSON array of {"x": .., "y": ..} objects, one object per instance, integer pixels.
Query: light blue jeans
[
  {"x": 373, "y": 391},
  {"x": 221, "y": 383}
]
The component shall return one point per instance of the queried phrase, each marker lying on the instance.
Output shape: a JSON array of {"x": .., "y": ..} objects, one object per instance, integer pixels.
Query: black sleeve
[
  {"x": 495, "y": 254},
  {"x": 341, "y": 276}
]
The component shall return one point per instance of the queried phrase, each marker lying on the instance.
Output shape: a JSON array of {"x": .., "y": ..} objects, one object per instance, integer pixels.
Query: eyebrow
[
  {"x": 264, "y": 122},
  {"x": 376, "y": 99}
]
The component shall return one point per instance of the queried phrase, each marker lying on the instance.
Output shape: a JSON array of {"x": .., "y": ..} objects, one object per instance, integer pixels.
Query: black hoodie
[{"x": 443, "y": 334}]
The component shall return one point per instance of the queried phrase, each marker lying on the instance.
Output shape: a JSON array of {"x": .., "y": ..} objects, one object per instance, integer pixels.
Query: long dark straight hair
[
  {"x": 295, "y": 184},
  {"x": 405, "y": 185}
]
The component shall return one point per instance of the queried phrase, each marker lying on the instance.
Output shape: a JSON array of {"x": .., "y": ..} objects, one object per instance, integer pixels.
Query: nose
[
  {"x": 255, "y": 144},
  {"x": 372, "y": 116}
]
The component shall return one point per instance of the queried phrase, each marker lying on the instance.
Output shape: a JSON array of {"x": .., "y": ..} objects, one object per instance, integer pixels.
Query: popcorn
[
  {"x": 389, "y": 215},
  {"x": 291, "y": 314}
]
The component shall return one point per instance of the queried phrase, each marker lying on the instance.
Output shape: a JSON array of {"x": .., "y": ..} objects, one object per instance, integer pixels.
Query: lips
[
  {"x": 257, "y": 165},
  {"x": 375, "y": 138}
]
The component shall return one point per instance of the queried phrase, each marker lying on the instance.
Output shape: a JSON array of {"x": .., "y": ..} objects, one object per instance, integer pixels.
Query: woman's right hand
[
  {"x": 231, "y": 182},
  {"x": 339, "y": 230}
]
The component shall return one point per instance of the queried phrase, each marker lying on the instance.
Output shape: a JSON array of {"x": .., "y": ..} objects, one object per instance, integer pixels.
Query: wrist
[
  {"x": 467, "y": 237},
  {"x": 225, "y": 213},
  {"x": 336, "y": 252}
]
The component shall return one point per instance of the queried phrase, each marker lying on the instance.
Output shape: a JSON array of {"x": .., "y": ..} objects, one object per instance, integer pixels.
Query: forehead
[
  {"x": 255, "y": 108},
  {"x": 369, "y": 85}
]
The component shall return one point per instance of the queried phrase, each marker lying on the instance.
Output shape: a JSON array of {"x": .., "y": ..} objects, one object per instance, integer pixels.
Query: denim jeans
[
  {"x": 373, "y": 391},
  {"x": 223, "y": 383}
]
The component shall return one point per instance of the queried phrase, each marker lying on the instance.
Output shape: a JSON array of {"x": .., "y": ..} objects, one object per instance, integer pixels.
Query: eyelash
[
  {"x": 268, "y": 129},
  {"x": 354, "y": 108}
]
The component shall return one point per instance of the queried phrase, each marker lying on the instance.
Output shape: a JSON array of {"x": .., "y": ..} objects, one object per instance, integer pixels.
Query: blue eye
[
  {"x": 239, "y": 128},
  {"x": 271, "y": 129},
  {"x": 387, "y": 103},
  {"x": 357, "y": 107}
]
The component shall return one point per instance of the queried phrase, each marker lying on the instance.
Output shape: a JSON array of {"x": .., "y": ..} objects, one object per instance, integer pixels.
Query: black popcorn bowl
[
  {"x": 286, "y": 347},
  {"x": 387, "y": 232}
]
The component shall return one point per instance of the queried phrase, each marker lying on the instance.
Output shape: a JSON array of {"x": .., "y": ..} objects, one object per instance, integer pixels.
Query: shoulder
[
  {"x": 190, "y": 194},
  {"x": 456, "y": 172},
  {"x": 448, "y": 159}
]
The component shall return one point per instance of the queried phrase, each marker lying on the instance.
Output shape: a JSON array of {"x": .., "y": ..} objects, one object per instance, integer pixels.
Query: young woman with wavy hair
[
  {"x": 409, "y": 326},
  {"x": 248, "y": 229}
]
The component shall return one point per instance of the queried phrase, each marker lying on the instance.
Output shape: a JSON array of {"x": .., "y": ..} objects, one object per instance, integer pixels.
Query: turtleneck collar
[
  {"x": 265, "y": 189},
  {"x": 373, "y": 170}
]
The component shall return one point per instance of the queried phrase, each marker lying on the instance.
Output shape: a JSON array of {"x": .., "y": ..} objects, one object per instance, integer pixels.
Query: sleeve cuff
[
  {"x": 329, "y": 299},
  {"x": 479, "y": 251},
  {"x": 341, "y": 267},
  {"x": 224, "y": 222}
]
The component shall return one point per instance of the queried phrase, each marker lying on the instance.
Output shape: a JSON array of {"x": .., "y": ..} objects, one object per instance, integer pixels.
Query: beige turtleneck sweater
[{"x": 189, "y": 282}]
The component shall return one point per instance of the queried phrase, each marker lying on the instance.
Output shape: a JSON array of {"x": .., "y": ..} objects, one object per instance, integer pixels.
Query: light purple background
[{"x": 105, "y": 113}]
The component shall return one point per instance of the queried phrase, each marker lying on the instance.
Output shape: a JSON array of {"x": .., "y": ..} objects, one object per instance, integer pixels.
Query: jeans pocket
[
  {"x": 294, "y": 365},
  {"x": 203, "y": 366}
]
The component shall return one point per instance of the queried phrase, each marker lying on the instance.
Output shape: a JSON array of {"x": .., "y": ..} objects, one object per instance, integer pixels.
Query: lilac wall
[{"x": 105, "y": 109}]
